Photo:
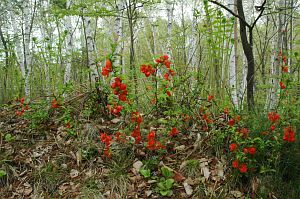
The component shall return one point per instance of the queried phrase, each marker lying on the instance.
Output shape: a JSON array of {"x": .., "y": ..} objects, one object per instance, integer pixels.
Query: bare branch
[{"x": 231, "y": 12}]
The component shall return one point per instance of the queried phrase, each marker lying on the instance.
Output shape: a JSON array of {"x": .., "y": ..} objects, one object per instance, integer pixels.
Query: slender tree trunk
[
  {"x": 232, "y": 58},
  {"x": 118, "y": 34},
  {"x": 170, "y": 9},
  {"x": 248, "y": 50},
  {"x": 69, "y": 45},
  {"x": 90, "y": 47}
]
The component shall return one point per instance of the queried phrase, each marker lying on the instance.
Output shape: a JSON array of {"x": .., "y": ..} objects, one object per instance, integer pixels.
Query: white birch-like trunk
[
  {"x": 18, "y": 45},
  {"x": 27, "y": 54},
  {"x": 232, "y": 59},
  {"x": 69, "y": 44},
  {"x": 272, "y": 97},
  {"x": 193, "y": 39},
  {"x": 118, "y": 34},
  {"x": 170, "y": 9},
  {"x": 90, "y": 48},
  {"x": 243, "y": 83}
]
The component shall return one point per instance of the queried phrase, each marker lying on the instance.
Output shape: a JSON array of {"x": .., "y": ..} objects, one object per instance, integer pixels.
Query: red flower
[
  {"x": 273, "y": 117},
  {"x": 243, "y": 168},
  {"x": 289, "y": 134},
  {"x": 168, "y": 93},
  {"x": 233, "y": 147},
  {"x": 171, "y": 72},
  {"x": 166, "y": 76},
  {"x": 285, "y": 69},
  {"x": 107, "y": 68},
  {"x": 136, "y": 117},
  {"x": 136, "y": 133},
  {"x": 22, "y": 100},
  {"x": 108, "y": 64},
  {"x": 68, "y": 125},
  {"x": 54, "y": 104},
  {"x": 244, "y": 132},
  {"x": 231, "y": 122},
  {"x": 210, "y": 97},
  {"x": 284, "y": 59},
  {"x": 252, "y": 150},
  {"x": 272, "y": 128},
  {"x": 173, "y": 132},
  {"x": 151, "y": 141},
  {"x": 147, "y": 70},
  {"x": 246, "y": 150},
  {"x": 235, "y": 164},
  {"x": 226, "y": 111},
  {"x": 282, "y": 86},
  {"x": 118, "y": 136},
  {"x": 167, "y": 63}
]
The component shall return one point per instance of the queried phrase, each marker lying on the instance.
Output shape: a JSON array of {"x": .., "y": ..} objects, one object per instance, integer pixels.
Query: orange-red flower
[
  {"x": 231, "y": 122},
  {"x": 235, "y": 164},
  {"x": 243, "y": 168},
  {"x": 136, "y": 117},
  {"x": 210, "y": 97},
  {"x": 151, "y": 141},
  {"x": 173, "y": 132},
  {"x": 233, "y": 147},
  {"x": 107, "y": 68},
  {"x": 282, "y": 86},
  {"x": 55, "y": 104},
  {"x": 289, "y": 134},
  {"x": 285, "y": 69},
  {"x": 169, "y": 93},
  {"x": 273, "y": 117}
]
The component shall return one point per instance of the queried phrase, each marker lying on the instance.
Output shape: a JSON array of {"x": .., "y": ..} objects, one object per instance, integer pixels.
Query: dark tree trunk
[{"x": 248, "y": 50}]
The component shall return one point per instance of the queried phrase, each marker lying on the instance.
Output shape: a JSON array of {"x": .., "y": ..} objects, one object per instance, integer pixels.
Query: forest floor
[{"x": 49, "y": 162}]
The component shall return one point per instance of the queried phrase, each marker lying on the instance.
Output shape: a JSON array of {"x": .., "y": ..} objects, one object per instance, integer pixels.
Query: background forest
[{"x": 199, "y": 96}]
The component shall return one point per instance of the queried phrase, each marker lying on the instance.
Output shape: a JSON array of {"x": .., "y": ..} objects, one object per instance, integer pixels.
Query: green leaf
[
  {"x": 146, "y": 173},
  {"x": 2, "y": 173},
  {"x": 166, "y": 172},
  {"x": 164, "y": 192},
  {"x": 169, "y": 183}
]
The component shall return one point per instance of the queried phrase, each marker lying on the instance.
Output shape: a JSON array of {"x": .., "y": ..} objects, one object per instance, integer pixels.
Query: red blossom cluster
[
  {"x": 241, "y": 167},
  {"x": 289, "y": 134},
  {"x": 120, "y": 89},
  {"x": 273, "y": 117},
  {"x": 147, "y": 70},
  {"x": 250, "y": 150},
  {"x": 106, "y": 139},
  {"x": 169, "y": 73},
  {"x": 23, "y": 107},
  {"x": 136, "y": 134},
  {"x": 152, "y": 144},
  {"x": 164, "y": 60},
  {"x": 285, "y": 69},
  {"x": 115, "y": 110},
  {"x": 55, "y": 104},
  {"x": 173, "y": 132},
  {"x": 244, "y": 132},
  {"x": 136, "y": 117},
  {"x": 282, "y": 86},
  {"x": 107, "y": 68},
  {"x": 231, "y": 122},
  {"x": 210, "y": 97},
  {"x": 151, "y": 140},
  {"x": 233, "y": 147}
]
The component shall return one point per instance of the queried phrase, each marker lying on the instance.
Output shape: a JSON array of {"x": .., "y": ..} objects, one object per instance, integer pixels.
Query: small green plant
[
  {"x": 146, "y": 173},
  {"x": 9, "y": 137},
  {"x": 165, "y": 184},
  {"x": 2, "y": 173}
]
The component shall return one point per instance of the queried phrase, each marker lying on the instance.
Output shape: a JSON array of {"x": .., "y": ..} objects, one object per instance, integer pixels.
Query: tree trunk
[
  {"x": 69, "y": 45},
  {"x": 248, "y": 50},
  {"x": 232, "y": 59}
]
